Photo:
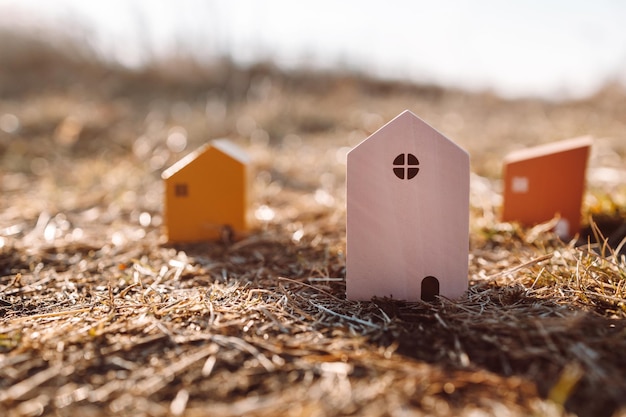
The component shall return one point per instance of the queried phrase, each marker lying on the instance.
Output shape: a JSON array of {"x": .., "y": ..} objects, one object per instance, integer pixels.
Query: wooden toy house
[
  {"x": 407, "y": 214},
  {"x": 206, "y": 193},
  {"x": 547, "y": 181}
]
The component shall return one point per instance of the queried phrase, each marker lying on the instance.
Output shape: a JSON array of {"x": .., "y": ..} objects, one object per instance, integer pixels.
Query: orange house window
[{"x": 180, "y": 190}]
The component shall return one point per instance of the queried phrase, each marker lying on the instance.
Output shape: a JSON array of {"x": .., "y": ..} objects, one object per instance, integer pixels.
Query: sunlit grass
[{"x": 98, "y": 315}]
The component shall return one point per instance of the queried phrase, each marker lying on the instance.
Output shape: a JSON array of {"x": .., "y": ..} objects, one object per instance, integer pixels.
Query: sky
[{"x": 546, "y": 48}]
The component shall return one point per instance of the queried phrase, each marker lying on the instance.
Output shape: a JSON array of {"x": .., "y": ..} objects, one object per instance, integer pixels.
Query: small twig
[
  {"x": 343, "y": 316},
  {"x": 243, "y": 345},
  {"x": 157, "y": 382},
  {"x": 27, "y": 288},
  {"x": 273, "y": 318},
  {"x": 111, "y": 296},
  {"x": 293, "y": 305},
  {"x": 599, "y": 256},
  {"x": 312, "y": 287},
  {"x": 530, "y": 263},
  {"x": 440, "y": 320},
  {"x": 55, "y": 314},
  {"x": 325, "y": 279},
  {"x": 24, "y": 387},
  {"x": 127, "y": 289},
  {"x": 608, "y": 297}
]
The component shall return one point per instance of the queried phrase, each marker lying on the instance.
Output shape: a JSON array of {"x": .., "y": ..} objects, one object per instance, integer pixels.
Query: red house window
[{"x": 180, "y": 190}]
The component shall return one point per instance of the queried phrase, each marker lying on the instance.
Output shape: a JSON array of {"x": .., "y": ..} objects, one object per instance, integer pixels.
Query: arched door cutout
[{"x": 430, "y": 288}]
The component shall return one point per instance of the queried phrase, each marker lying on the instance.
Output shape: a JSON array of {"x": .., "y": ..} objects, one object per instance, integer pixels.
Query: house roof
[
  {"x": 232, "y": 150},
  {"x": 548, "y": 149},
  {"x": 223, "y": 145},
  {"x": 408, "y": 117}
]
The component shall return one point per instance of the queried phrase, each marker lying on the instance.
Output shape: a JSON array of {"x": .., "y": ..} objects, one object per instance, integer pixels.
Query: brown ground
[{"x": 99, "y": 316}]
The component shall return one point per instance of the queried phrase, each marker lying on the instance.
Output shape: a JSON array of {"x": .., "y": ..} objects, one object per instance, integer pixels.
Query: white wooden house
[{"x": 407, "y": 214}]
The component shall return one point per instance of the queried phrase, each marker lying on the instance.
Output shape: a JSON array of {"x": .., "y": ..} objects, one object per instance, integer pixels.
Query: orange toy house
[
  {"x": 206, "y": 193},
  {"x": 545, "y": 181}
]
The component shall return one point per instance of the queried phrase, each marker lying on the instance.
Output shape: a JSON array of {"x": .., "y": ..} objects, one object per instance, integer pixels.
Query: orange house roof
[
  {"x": 545, "y": 181},
  {"x": 206, "y": 192}
]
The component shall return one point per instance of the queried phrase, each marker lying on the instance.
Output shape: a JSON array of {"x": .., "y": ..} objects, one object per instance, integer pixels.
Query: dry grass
[{"x": 99, "y": 316}]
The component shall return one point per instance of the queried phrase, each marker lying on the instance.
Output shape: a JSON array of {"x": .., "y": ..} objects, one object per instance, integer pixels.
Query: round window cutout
[{"x": 406, "y": 166}]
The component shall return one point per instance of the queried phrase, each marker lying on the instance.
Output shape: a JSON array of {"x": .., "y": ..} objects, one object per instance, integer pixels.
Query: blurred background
[
  {"x": 98, "y": 98},
  {"x": 553, "y": 48}
]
